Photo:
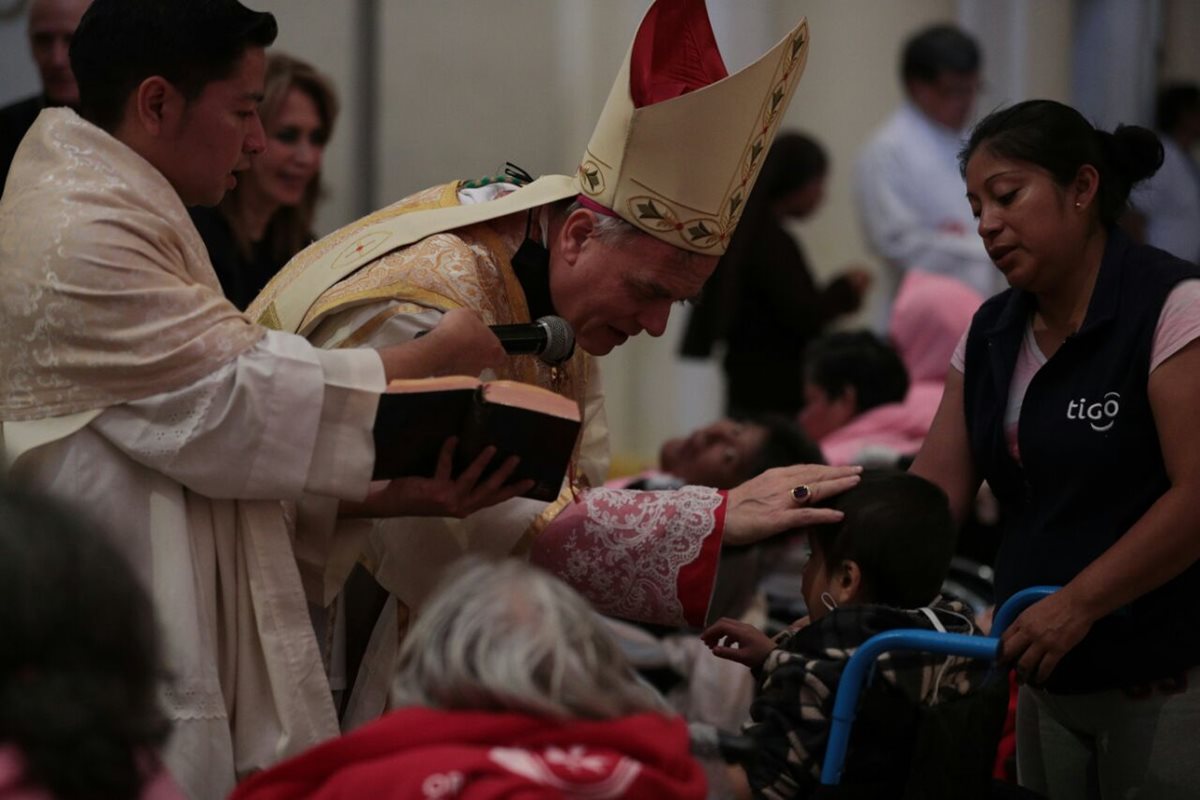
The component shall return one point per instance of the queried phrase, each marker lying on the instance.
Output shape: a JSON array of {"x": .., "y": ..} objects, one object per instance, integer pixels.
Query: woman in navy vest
[{"x": 1074, "y": 395}]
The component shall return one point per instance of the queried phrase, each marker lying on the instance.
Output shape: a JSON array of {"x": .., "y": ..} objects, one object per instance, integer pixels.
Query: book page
[
  {"x": 442, "y": 383},
  {"x": 534, "y": 398}
]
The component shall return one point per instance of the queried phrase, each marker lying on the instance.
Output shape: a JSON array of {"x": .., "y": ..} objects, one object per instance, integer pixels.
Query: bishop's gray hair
[
  {"x": 506, "y": 636},
  {"x": 617, "y": 232},
  {"x": 610, "y": 230}
]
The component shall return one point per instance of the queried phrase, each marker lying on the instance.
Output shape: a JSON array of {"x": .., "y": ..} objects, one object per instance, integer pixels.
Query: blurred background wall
[{"x": 439, "y": 89}]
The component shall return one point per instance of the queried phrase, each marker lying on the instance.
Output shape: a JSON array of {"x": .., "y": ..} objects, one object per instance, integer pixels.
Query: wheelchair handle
[
  {"x": 854, "y": 677},
  {"x": 1013, "y": 606},
  {"x": 858, "y": 668}
]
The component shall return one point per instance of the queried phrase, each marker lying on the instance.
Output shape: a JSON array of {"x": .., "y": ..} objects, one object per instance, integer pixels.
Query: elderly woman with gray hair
[{"x": 508, "y": 686}]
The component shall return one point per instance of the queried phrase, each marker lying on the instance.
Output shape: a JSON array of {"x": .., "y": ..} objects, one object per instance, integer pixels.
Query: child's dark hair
[
  {"x": 858, "y": 360},
  {"x": 1060, "y": 140},
  {"x": 786, "y": 444},
  {"x": 80, "y": 662},
  {"x": 899, "y": 530}
]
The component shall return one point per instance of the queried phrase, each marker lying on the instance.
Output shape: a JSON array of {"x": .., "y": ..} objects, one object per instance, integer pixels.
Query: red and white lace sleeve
[{"x": 645, "y": 556}]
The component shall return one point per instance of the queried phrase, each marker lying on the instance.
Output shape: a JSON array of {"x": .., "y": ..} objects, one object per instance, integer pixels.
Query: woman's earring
[
  {"x": 828, "y": 601},
  {"x": 1078, "y": 204}
]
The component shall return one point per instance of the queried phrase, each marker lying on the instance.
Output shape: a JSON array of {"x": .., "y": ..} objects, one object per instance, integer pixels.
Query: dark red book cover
[{"x": 415, "y": 418}]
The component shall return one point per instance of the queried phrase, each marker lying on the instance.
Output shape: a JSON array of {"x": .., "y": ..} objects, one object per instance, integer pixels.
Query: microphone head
[{"x": 560, "y": 340}]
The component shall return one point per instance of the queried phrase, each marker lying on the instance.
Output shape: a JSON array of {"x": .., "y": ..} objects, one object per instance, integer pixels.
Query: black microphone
[{"x": 550, "y": 338}]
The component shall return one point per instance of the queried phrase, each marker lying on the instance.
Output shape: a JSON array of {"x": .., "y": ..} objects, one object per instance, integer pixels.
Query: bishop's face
[{"x": 612, "y": 288}]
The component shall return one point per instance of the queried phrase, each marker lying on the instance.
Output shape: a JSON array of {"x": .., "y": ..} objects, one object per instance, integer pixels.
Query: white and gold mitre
[
  {"x": 680, "y": 143},
  {"x": 675, "y": 153}
]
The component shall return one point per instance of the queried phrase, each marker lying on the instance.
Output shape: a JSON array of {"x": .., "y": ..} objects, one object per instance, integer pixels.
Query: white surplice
[
  {"x": 134, "y": 390},
  {"x": 165, "y": 476}
]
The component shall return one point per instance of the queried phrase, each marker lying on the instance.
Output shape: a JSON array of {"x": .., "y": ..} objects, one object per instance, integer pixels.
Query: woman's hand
[
  {"x": 441, "y": 495},
  {"x": 780, "y": 499},
  {"x": 737, "y": 641},
  {"x": 1044, "y": 633}
]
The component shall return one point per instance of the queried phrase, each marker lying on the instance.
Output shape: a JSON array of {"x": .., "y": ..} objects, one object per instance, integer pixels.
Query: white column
[
  {"x": 1025, "y": 46},
  {"x": 1113, "y": 66}
]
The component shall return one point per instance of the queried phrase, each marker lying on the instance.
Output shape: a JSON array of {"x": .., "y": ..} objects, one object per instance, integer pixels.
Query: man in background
[
  {"x": 910, "y": 195},
  {"x": 52, "y": 23}
]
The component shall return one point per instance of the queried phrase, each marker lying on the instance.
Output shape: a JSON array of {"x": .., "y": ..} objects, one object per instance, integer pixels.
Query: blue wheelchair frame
[{"x": 858, "y": 669}]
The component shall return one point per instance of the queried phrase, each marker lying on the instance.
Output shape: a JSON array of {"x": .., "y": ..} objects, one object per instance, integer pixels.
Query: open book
[{"x": 416, "y": 417}]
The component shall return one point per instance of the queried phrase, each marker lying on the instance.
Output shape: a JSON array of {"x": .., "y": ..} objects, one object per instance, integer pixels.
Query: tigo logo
[{"x": 1100, "y": 415}]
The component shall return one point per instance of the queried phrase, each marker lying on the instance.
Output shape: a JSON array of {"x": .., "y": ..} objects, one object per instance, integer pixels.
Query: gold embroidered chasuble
[
  {"x": 466, "y": 267},
  {"x": 645, "y": 555}
]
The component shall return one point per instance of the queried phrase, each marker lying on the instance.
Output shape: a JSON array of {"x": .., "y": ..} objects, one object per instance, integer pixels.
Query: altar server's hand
[
  {"x": 460, "y": 344},
  {"x": 442, "y": 495},
  {"x": 467, "y": 346},
  {"x": 782, "y": 498}
]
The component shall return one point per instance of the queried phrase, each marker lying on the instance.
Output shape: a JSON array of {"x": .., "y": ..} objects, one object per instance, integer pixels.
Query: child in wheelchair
[{"x": 878, "y": 569}]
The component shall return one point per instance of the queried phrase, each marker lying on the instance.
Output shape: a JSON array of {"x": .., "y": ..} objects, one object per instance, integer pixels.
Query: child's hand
[{"x": 737, "y": 641}]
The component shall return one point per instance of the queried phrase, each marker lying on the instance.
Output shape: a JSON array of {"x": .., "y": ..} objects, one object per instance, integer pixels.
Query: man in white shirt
[
  {"x": 1169, "y": 202},
  {"x": 910, "y": 194}
]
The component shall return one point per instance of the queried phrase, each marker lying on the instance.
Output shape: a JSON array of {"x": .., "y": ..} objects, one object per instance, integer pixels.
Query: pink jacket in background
[{"x": 929, "y": 317}]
